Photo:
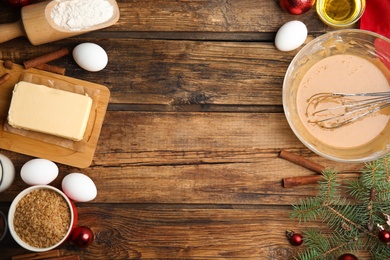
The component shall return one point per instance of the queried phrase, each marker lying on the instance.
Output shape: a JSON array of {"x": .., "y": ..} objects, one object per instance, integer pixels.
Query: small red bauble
[
  {"x": 294, "y": 238},
  {"x": 19, "y": 3},
  {"x": 347, "y": 257},
  {"x": 384, "y": 236},
  {"x": 82, "y": 236},
  {"x": 296, "y": 6}
]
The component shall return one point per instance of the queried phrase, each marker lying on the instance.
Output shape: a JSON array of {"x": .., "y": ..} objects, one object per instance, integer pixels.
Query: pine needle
[{"x": 354, "y": 222}]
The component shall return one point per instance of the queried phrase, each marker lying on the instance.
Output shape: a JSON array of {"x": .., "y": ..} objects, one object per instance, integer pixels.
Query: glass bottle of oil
[{"x": 340, "y": 13}]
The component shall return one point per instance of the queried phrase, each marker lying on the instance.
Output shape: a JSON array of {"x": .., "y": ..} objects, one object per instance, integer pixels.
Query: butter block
[{"x": 51, "y": 111}]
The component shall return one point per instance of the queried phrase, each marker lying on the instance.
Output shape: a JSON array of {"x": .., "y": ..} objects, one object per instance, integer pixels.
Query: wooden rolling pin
[{"x": 37, "y": 25}]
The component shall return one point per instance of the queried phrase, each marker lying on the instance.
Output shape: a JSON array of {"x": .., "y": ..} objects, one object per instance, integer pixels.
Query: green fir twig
[{"x": 353, "y": 221}]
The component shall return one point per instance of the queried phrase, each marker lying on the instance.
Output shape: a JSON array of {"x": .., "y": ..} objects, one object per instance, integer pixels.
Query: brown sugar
[{"x": 42, "y": 218}]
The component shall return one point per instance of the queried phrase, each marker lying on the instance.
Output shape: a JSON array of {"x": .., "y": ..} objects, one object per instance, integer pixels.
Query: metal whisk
[{"x": 334, "y": 110}]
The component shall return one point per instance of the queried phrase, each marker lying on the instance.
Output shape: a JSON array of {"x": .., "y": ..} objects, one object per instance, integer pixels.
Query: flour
[{"x": 76, "y": 15}]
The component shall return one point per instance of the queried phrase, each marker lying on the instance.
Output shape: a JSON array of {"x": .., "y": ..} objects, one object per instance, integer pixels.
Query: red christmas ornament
[
  {"x": 296, "y": 6},
  {"x": 347, "y": 257},
  {"x": 82, "y": 236},
  {"x": 294, "y": 238},
  {"x": 384, "y": 236},
  {"x": 19, "y": 3}
]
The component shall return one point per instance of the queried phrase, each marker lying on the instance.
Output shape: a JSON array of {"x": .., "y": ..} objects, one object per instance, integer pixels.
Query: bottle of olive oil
[{"x": 340, "y": 13}]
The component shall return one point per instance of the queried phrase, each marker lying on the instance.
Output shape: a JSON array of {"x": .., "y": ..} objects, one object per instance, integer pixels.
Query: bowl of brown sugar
[{"x": 40, "y": 218}]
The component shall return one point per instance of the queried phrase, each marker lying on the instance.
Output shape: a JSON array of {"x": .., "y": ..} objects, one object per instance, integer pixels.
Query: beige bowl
[
  {"x": 367, "y": 45},
  {"x": 11, "y": 217}
]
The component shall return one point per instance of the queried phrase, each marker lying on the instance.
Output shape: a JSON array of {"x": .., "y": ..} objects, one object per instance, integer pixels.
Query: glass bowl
[
  {"x": 340, "y": 14},
  {"x": 369, "y": 46}
]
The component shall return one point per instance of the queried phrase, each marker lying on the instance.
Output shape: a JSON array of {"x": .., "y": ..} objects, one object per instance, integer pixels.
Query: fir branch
[
  {"x": 316, "y": 243},
  {"x": 352, "y": 223},
  {"x": 370, "y": 209},
  {"x": 357, "y": 190},
  {"x": 307, "y": 209},
  {"x": 350, "y": 243},
  {"x": 343, "y": 214},
  {"x": 321, "y": 248},
  {"x": 308, "y": 254},
  {"x": 382, "y": 191},
  {"x": 379, "y": 251},
  {"x": 370, "y": 174},
  {"x": 329, "y": 186},
  {"x": 386, "y": 163},
  {"x": 332, "y": 252}
]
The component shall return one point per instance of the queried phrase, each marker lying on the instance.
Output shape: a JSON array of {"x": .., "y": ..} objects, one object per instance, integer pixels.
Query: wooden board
[{"x": 81, "y": 158}]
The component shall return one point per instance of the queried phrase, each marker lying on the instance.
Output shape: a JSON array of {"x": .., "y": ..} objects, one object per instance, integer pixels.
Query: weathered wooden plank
[
  {"x": 182, "y": 73},
  {"x": 173, "y": 158},
  {"x": 145, "y": 138},
  {"x": 126, "y": 131},
  {"x": 251, "y": 183},
  {"x": 176, "y": 232},
  {"x": 179, "y": 73},
  {"x": 241, "y": 184},
  {"x": 244, "y": 20},
  {"x": 205, "y": 15},
  {"x": 192, "y": 181},
  {"x": 195, "y": 16}
]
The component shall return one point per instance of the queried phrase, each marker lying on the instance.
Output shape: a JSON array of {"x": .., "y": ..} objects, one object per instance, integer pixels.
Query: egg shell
[
  {"x": 79, "y": 187},
  {"x": 290, "y": 36},
  {"x": 39, "y": 172},
  {"x": 90, "y": 56}
]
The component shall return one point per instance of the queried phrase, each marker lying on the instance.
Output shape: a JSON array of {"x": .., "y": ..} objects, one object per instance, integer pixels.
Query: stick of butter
[{"x": 50, "y": 111}]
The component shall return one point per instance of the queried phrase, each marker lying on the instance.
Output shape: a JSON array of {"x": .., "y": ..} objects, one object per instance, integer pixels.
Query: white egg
[
  {"x": 290, "y": 36},
  {"x": 39, "y": 172},
  {"x": 90, "y": 56},
  {"x": 79, "y": 187}
]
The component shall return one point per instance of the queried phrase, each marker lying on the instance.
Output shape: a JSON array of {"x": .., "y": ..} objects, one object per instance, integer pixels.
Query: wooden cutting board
[{"x": 35, "y": 147}]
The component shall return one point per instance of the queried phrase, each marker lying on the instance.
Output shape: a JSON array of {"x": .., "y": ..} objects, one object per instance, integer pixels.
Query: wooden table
[{"x": 187, "y": 165}]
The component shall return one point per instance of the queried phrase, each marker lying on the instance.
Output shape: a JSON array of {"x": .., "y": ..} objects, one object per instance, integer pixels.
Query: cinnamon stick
[
  {"x": 52, "y": 68},
  {"x": 45, "y": 58},
  {"x": 301, "y": 161},
  {"x": 300, "y": 180},
  {"x": 5, "y": 78},
  {"x": 36, "y": 256}
]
